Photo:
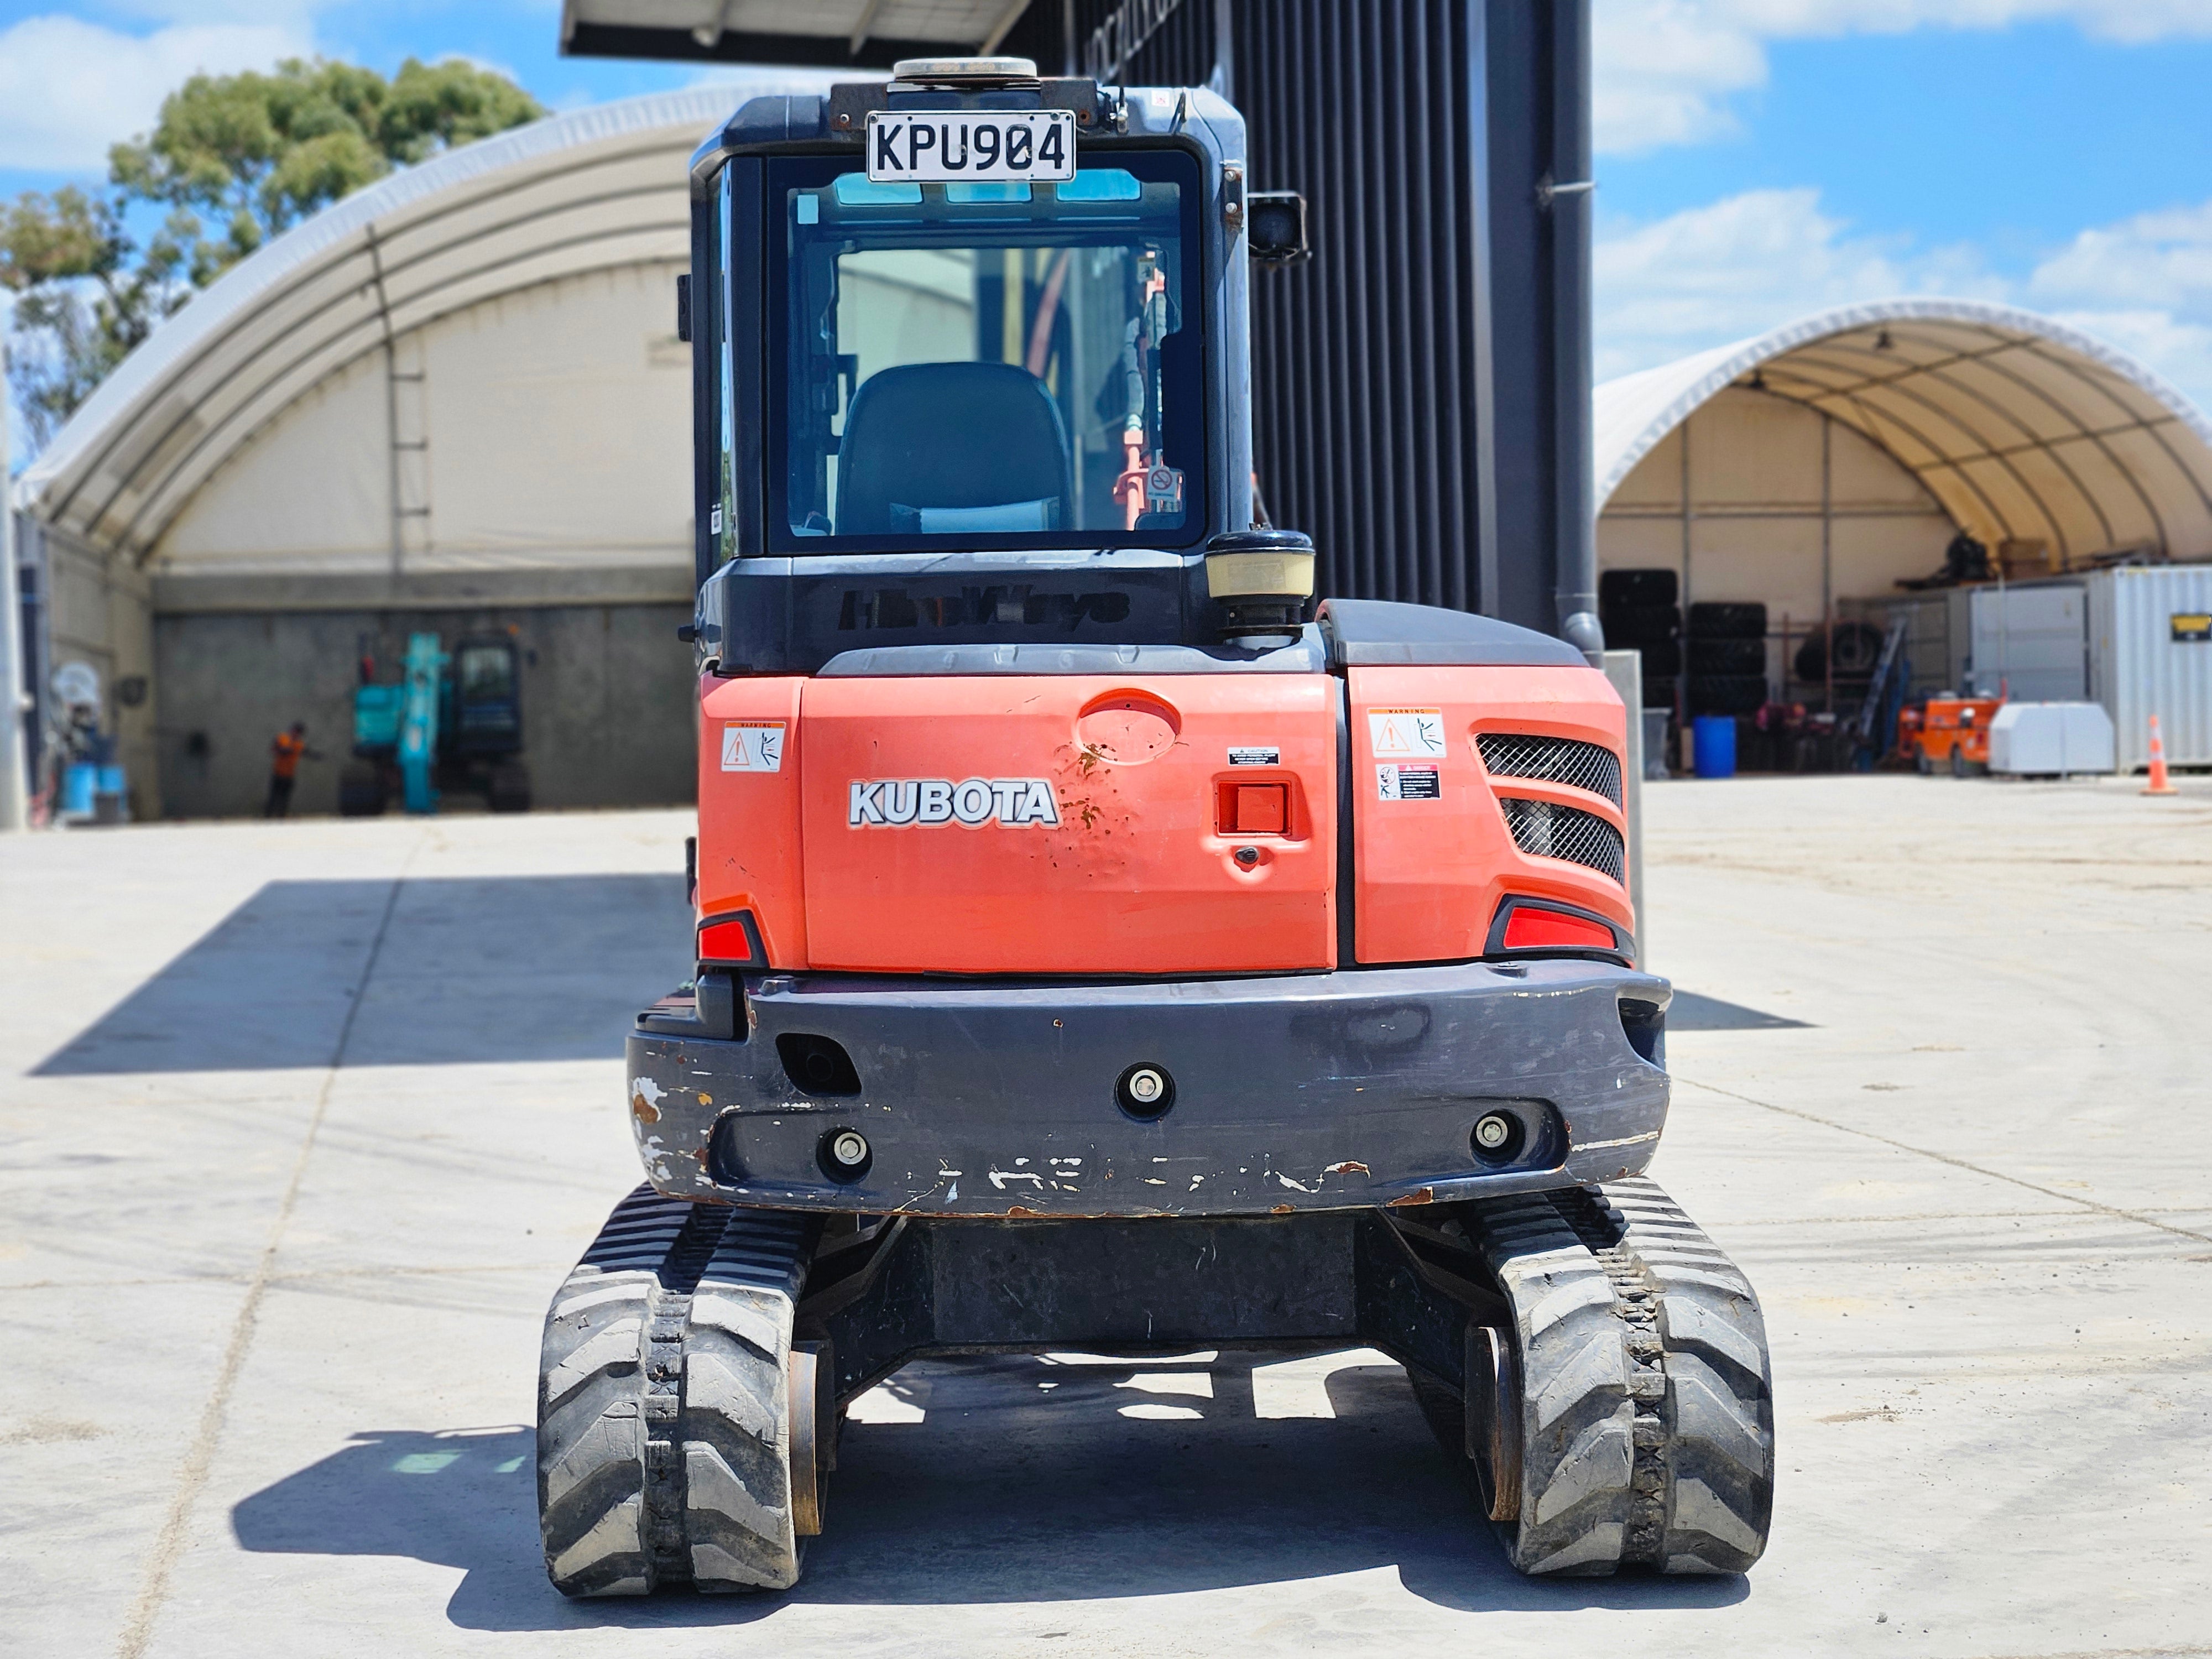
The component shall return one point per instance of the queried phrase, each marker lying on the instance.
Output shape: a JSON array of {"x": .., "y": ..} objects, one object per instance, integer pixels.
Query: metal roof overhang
[
  {"x": 831, "y": 33},
  {"x": 601, "y": 188},
  {"x": 2019, "y": 425}
]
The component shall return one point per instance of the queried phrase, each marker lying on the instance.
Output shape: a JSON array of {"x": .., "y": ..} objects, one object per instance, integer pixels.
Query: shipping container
[
  {"x": 2150, "y": 652},
  {"x": 2027, "y": 641}
]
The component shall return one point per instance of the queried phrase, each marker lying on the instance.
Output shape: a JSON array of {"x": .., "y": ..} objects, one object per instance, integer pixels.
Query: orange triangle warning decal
[{"x": 1418, "y": 732}]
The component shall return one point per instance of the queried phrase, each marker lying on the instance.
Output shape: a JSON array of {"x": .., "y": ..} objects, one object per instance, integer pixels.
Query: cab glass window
[
  {"x": 485, "y": 672},
  {"x": 986, "y": 365}
]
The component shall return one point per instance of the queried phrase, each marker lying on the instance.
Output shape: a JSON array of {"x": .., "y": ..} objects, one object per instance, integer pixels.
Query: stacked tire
[
  {"x": 1638, "y": 612},
  {"x": 1726, "y": 657}
]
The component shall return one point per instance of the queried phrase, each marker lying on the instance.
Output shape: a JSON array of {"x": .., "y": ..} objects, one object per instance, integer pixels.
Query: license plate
[{"x": 945, "y": 146}]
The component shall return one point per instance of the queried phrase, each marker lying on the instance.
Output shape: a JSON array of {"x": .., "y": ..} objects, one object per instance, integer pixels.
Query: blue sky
[{"x": 1758, "y": 159}]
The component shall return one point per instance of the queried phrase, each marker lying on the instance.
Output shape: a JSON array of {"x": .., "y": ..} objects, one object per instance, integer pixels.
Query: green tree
[
  {"x": 236, "y": 159},
  {"x": 85, "y": 294}
]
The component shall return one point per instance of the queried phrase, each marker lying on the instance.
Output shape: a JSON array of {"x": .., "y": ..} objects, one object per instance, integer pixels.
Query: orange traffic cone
[{"x": 2160, "y": 783}]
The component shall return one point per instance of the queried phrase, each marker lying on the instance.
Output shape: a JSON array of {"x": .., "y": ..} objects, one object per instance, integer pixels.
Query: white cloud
[
  {"x": 69, "y": 88},
  {"x": 1737, "y": 267},
  {"x": 2144, "y": 283},
  {"x": 2179, "y": 350},
  {"x": 2159, "y": 259},
  {"x": 268, "y": 12},
  {"x": 1665, "y": 69}
]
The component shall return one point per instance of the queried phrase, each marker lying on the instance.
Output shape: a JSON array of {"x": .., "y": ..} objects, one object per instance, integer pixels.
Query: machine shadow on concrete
[
  {"x": 448, "y": 970},
  {"x": 1689, "y": 1012},
  {"x": 1026, "y": 1482}
]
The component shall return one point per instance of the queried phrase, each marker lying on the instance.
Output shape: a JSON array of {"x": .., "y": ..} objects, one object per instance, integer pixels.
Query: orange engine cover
[
  {"x": 1179, "y": 824},
  {"x": 1031, "y": 824},
  {"x": 1434, "y": 835}
]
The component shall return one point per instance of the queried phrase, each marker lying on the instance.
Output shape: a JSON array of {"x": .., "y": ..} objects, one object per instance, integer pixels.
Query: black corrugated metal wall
[
  {"x": 1364, "y": 363},
  {"x": 1416, "y": 447}
]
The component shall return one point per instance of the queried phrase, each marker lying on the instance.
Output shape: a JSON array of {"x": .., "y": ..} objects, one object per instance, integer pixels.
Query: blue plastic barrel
[
  {"x": 111, "y": 780},
  {"x": 1714, "y": 745},
  {"x": 79, "y": 780}
]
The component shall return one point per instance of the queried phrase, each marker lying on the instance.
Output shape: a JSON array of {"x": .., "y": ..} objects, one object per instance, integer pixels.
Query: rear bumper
[{"x": 1291, "y": 1092}]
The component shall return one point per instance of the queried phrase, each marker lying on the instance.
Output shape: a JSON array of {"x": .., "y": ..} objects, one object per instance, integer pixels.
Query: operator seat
[{"x": 942, "y": 448}]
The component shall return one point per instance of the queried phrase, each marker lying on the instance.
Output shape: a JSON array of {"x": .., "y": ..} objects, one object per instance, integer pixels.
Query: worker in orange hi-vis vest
[{"x": 286, "y": 754}]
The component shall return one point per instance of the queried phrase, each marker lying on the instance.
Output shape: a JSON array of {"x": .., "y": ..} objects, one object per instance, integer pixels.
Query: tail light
[
  {"x": 731, "y": 941},
  {"x": 1541, "y": 924}
]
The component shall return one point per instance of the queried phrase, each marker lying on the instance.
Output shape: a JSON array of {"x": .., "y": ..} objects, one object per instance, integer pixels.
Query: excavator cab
[
  {"x": 1097, "y": 943},
  {"x": 982, "y": 342}
]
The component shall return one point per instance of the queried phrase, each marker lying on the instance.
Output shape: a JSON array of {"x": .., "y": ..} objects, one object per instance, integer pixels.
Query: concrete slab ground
[{"x": 300, "y": 1124}]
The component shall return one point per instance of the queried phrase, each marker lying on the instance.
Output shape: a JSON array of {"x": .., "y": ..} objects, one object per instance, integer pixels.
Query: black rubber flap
[{"x": 1383, "y": 633}]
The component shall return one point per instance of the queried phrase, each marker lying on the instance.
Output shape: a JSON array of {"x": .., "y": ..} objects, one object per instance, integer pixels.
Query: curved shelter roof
[
  {"x": 602, "y": 187},
  {"x": 2020, "y": 425}
]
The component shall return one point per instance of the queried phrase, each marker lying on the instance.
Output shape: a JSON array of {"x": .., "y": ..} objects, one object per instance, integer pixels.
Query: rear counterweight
[{"x": 1276, "y": 1094}]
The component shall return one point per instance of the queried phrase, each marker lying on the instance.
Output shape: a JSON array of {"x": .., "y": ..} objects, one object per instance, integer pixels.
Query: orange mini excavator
[
  {"x": 1100, "y": 945},
  {"x": 1953, "y": 732}
]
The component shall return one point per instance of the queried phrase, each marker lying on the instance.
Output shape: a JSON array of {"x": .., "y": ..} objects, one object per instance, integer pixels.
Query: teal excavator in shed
[{"x": 450, "y": 721}]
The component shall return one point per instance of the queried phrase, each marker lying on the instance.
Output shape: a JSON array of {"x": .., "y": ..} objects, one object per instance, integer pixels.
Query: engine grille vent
[
  {"x": 1549, "y": 830},
  {"x": 1589, "y": 765}
]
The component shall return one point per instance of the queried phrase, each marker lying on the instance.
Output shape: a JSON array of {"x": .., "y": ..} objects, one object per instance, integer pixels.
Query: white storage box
[{"x": 2047, "y": 739}]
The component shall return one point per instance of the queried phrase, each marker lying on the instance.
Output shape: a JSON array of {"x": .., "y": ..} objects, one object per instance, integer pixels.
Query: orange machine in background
[{"x": 1949, "y": 731}]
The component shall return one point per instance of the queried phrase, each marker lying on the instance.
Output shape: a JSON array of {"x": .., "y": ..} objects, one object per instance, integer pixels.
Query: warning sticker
[
  {"x": 2191, "y": 627},
  {"x": 1255, "y": 756},
  {"x": 1408, "y": 783},
  {"x": 752, "y": 746},
  {"x": 1406, "y": 733}
]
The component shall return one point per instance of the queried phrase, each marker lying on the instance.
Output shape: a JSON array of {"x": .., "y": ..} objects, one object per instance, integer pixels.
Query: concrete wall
[
  {"x": 608, "y": 700},
  {"x": 1783, "y": 506}
]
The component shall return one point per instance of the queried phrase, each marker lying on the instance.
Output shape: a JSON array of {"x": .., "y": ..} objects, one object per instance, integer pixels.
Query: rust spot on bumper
[
  {"x": 1348, "y": 1167},
  {"x": 1419, "y": 1195},
  {"x": 643, "y": 1110},
  {"x": 1280, "y": 1209},
  {"x": 1023, "y": 1210}
]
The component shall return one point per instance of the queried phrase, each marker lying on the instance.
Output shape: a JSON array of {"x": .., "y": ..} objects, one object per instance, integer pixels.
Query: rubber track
[
  {"x": 738, "y": 1515},
  {"x": 662, "y": 1402},
  {"x": 1647, "y": 1427},
  {"x": 1720, "y": 1386}
]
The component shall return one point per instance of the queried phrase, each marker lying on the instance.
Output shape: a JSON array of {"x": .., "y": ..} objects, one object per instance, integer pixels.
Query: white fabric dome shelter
[
  {"x": 1824, "y": 461},
  {"x": 598, "y": 190}
]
